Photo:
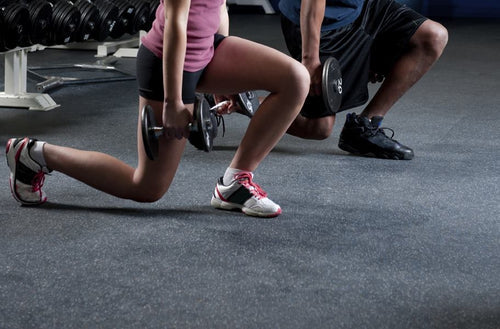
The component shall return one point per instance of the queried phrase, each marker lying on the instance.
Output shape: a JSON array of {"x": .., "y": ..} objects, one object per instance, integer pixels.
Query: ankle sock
[
  {"x": 229, "y": 175},
  {"x": 36, "y": 153},
  {"x": 377, "y": 120}
]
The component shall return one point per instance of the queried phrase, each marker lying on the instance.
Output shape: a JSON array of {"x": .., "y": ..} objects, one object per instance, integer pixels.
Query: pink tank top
[{"x": 203, "y": 23}]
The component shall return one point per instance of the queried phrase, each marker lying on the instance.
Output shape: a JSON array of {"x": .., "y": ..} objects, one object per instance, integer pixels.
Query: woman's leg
[
  {"x": 146, "y": 183},
  {"x": 240, "y": 65}
]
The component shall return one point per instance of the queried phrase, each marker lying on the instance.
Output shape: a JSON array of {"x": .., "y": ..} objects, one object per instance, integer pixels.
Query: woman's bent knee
[
  {"x": 296, "y": 82},
  {"x": 148, "y": 193},
  {"x": 301, "y": 75},
  {"x": 147, "y": 196}
]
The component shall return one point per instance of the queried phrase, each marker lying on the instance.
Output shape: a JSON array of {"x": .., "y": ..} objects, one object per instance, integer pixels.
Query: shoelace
[
  {"x": 219, "y": 119},
  {"x": 383, "y": 129},
  {"x": 375, "y": 130},
  {"x": 245, "y": 179},
  {"x": 37, "y": 182}
]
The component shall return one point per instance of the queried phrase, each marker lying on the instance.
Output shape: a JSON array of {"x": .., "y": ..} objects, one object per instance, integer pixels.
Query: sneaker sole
[
  {"x": 12, "y": 163},
  {"x": 219, "y": 204}
]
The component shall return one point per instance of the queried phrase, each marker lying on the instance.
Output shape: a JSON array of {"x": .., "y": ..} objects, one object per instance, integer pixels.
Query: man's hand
[{"x": 316, "y": 72}]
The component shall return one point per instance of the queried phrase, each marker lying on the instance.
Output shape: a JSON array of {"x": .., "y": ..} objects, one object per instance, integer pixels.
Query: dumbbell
[
  {"x": 65, "y": 20},
  {"x": 108, "y": 19},
  {"x": 332, "y": 84},
  {"x": 202, "y": 130},
  {"x": 331, "y": 87},
  {"x": 247, "y": 101},
  {"x": 15, "y": 25},
  {"x": 89, "y": 20}
]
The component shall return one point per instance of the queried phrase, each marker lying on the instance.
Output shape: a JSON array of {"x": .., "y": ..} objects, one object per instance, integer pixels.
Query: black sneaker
[{"x": 363, "y": 136}]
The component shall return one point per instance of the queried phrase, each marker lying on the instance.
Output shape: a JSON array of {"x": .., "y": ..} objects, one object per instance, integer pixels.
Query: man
[{"x": 373, "y": 40}]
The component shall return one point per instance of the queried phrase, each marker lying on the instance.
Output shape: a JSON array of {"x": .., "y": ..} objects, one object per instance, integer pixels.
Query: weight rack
[{"x": 33, "y": 25}]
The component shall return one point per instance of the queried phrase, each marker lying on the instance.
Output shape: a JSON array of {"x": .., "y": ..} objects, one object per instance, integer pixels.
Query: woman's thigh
[{"x": 241, "y": 65}]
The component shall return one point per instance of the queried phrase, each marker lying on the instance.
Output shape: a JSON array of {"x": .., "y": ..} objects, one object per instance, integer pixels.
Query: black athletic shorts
[
  {"x": 150, "y": 76},
  {"x": 374, "y": 42}
]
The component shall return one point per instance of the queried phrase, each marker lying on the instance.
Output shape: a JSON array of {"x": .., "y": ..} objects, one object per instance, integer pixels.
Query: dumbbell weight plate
[
  {"x": 41, "y": 20},
  {"x": 17, "y": 26},
  {"x": 108, "y": 16},
  {"x": 332, "y": 84},
  {"x": 66, "y": 21},
  {"x": 249, "y": 102},
  {"x": 88, "y": 20},
  {"x": 203, "y": 129},
  {"x": 149, "y": 136}
]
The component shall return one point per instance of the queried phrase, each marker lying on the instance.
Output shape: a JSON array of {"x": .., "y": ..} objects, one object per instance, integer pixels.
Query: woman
[{"x": 181, "y": 54}]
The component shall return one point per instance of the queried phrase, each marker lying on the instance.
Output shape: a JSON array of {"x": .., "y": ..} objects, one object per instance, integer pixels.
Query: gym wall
[{"x": 456, "y": 8}]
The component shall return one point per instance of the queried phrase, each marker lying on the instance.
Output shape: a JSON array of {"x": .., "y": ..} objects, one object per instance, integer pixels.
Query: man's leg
[
  {"x": 361, "y": 134},
  {"x": 312, "y": 128},
  {"x": 426, "y": 46}
]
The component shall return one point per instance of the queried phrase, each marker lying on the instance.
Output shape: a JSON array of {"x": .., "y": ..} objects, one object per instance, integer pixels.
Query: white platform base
[{"x": 29, "y": 101}]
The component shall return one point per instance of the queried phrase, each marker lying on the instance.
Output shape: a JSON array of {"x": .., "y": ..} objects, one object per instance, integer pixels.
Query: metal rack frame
[{"x": 15, "y": 93}]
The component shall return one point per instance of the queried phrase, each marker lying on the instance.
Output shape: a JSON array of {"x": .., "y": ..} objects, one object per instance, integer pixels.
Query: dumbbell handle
[{"x": 159, "y": 129}]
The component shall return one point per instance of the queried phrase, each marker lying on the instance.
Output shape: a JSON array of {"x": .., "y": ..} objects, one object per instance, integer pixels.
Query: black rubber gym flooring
[{"x": 361, "y": 243}]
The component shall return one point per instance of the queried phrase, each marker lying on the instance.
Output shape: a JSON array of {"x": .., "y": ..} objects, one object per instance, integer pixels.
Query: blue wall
[
  {"x": 449, "y": 8},
  {"x": 418, "y": 5},
  {"x": 456, "y": 8},
  {"x": 463, "y": 8}
]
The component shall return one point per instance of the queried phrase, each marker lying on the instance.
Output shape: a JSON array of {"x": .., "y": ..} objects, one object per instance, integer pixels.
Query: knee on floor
[{"x": 320, "y": 129}]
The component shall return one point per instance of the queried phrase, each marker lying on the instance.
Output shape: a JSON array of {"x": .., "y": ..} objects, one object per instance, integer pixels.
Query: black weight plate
[
  {"x": 88, "y": 22},
  {"x": 202, "y": 134},
  {"x": 41, "y": 20},
  {"x": 127, "y": 16},
  {"x": 249, "y": 103},
  {"x": 17, "y": 20},
  {"x": 54, "y": 21},
  {"x": 60, "y": 34},
  {"x": 141, "y": 17},
  {"x": 205, "y": 124},
  {"x": 108, "y": 16},
  {"x": 332, "y": 84},
  {"x": 72, "y": 22},
  {"x": 56, "y": 13},
  {"x": 149, "y": 138}
]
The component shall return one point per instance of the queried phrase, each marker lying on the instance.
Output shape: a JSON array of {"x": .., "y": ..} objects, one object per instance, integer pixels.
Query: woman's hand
[
  {"x": 176, "y": 120},
  {"x": 226, "y": 104}
]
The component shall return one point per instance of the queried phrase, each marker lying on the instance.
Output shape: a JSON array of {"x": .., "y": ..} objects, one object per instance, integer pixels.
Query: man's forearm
[{"x": 311, "y": 16}]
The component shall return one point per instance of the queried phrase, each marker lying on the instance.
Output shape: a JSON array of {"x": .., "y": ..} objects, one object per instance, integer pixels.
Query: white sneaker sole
[{"x": 220, "y": 204}]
